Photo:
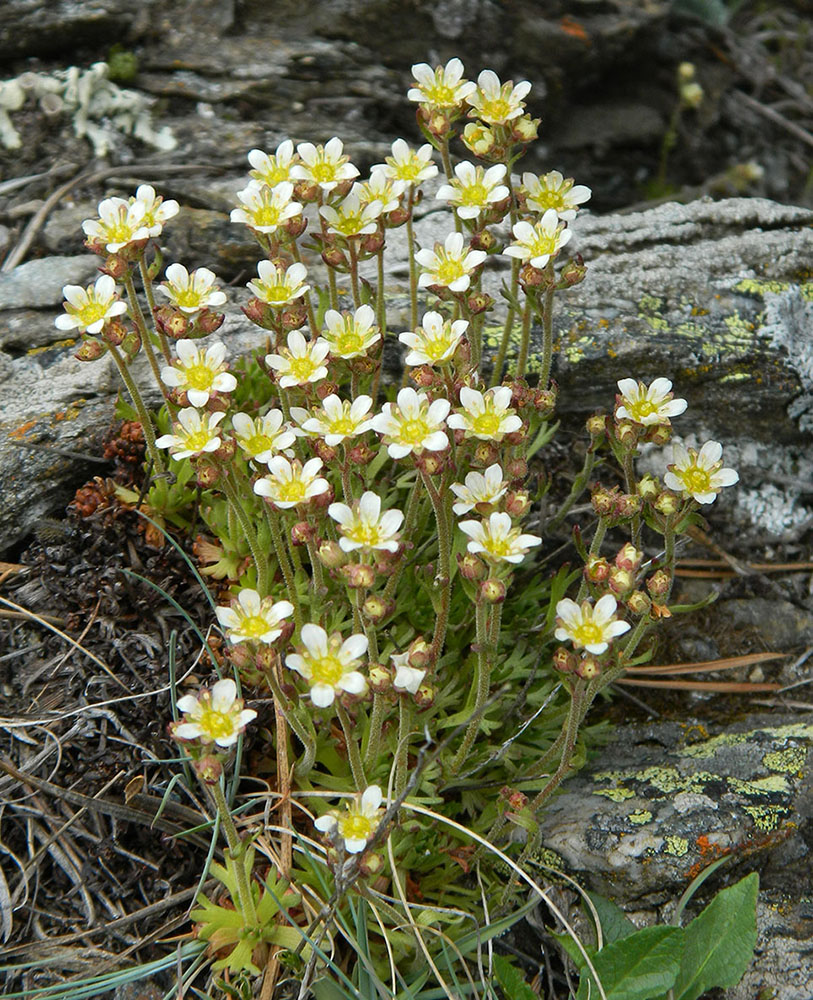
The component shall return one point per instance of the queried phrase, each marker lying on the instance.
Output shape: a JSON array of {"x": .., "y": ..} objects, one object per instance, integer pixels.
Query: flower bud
[
  {"x": 532, "y": 277},
  {"x": 334, "y": 257},
  {"x": 323, "y": 500},
  {"x": 372, "y": 243},
  {"x": 691, "y": 95},
  {"x": 332, "y": 555},
  {"x": 517, "y": 437},
  {"x": 419, "y": 653},
  {"x": 621, "y": 581},
  {"x": 485, "y": 454},
  {"x": 648, "y": 487},
  {"x": 380, "y": 678},
  {"x": 564, "y": 660},
  {"x": 627, "y": 505},
  {"x": 478, "y": 138},
  {"x": 172, "y": 322},
  {"x": 324, "y": 451},
  {"x": 116, "y": 266},
  {"x": 423, "y": 376},
  {"x": 513, "y": 798},
  {"x": 603, "y": 501},
  {"x": 302, "y": 532},
  {"x": 638, "y": 603},
  {"x": 470, "y": 567},
  {"x": 295, "y": 226},
  {"x": 573, "y": 272},
  {"x": 516, "y": 469},
  {"x": 358, "y": 576},
  {"x": 686, "y": 72},
  {"x": 479, "y": 302},
  {"x": 208, "y": 769},
  {"x": 90, "y": 350},
  {"x": 588, "y": 667},
  {"x": 659, "y": 584},
  {"x": 259, "y": 313},
  {"x": 627, "y": 433},
  {"x": 432, "y": 462},
  {"x": 491, "y": 591},
  {"x": 360, "y": 454},
  {"x": 131, "y": 344},
  {"x": 597, "y": 569},
  {"x": 376, "y": 609},
  {"x": 659, "y": 434},
  {"x": 629, "y": 558},
  {"x": 293, "y": 316},
  {"x": 667, "y": 503},
  {"x": 305, "y": 191},
  {"x": 206, "y": 474},
  {"x": 425, "y": 696},
  {"x": 397, "y": 217},
  {"x": 326, "y": 388},
  {"x": 597, "y": 425},
  {"x": 114, "y": 332},
  {"x": 525, "y": 128},
  {"x": 208, "y": 321},
  {"x": 517, "y": 503},
  {"x": 484, "y": 240},
  {"x": 545, "y": 402}
]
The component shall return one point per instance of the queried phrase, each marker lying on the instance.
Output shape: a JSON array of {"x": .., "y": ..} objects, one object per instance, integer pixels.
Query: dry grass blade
[
  {"x": 6, "y": 908},
  {"x": 721, "y": 687},
  {"x": 704, "y": 666}
]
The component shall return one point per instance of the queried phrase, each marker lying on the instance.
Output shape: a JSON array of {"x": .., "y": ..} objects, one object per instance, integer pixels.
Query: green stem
[
  {"x": 402, "y": 754},
  {"x": 146, "y": 281},
  {"x": 482, "y": 683},
  {"x": 576, "y": 490},
  {"x": 352, "y": 748},
  {"x": 579, "y": 704},
  {"x": 236, "y": 849},
  {"x": 144, "y": 333},
  {"x": 380, "y": 309},
  {"x": 354, "y": 271},
  {"x": 410, "y": 517},
  {"x": 413, "y": 264},
  {"x": 525, "y": 339},
  {"x": 547, "y": 329},
  {"x": 595, "y": 549},
  {"x": 284, "y": 564},
  {"x": 260, "y": 561},
  {"x": 630, "y": 487},
  {"x": 444, "y": 575},
  {"x": 316, "y": 570},
  {"x": 143, "y": 414},
  {"x": 307, "y": 296},
  {"x": 304, "y": 737},
  {"x": 374, "y": 734}
]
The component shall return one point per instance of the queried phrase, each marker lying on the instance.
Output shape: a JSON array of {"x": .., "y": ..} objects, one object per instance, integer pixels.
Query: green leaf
[
  {"x": 720, "y": 941},
  {"x": 512, "y": 980},
  {"x": 638, "y": 967},
  {"x": 615, "y": 924}
]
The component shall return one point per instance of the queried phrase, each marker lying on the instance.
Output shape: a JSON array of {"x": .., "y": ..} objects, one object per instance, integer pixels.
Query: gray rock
[{"x": 38, "y": 284}]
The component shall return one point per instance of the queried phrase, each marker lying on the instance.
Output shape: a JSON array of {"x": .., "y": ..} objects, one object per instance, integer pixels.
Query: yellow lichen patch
[
  {"x": 736, "y": 377},
  {"x": 70, "y": 342},
  {"x": 648, "y": 307},
  {"x": 773, "y": 784},
  {"x": 640, "y": 817},
  {"x": 790, "y": 760},
  {"x": 615, "y": 794},
  {"x": 794, "y": 730},
  {"x": 766, "y": 818},
  {"x": 755, "y": 286},
  {"x": 676, "y": 846}
]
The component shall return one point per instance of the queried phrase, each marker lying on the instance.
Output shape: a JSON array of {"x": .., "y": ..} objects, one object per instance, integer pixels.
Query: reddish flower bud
[
  {"x": 479, "y": 302},
  {"x": 627, "y": 505},
  {"x": 326, "y": 388},
  {"x": 361, "y": 454},
  {"x": 206, "y": 474},
  {"x": 131, "y": 345},
  {"x": 423, "y": 376},
  {"x": 334, "y": 257},
  {"x": 419, "y": 653},
  {"x": 117, "y": 267},
  {"x": 603, "y": 501},
  {"x": 627, "y": 433},
  {"x": 516, "y": 469},
  {"x": 260, "y": 313},
  {"x": 667, "y": 503},
  {"x": 332, "y": 555},
  {"x": 305, "y": 191},
  {"x": 90, "y": 350},
  {"x": 588, "y": 667},
  {"x": 324, "y": 451},
  {"x": 376, "y": 609},
  {"x": 532, "y": 277},
  {"x": 172, "y": 322},
  {"x": 295, "y": 226},
  {"x": 573, "y": 272},
  {"x": 471, "y": 568},
  {"x": 114, "y": 332},
  {"x": 302, "y": 532},
  {"x": 517, "y": 437},
  {"x": 629, "y": 558},
  {"x": 485, "y": 454},
  {"x": 293, "y": 316},
  {"x": 358, "y": 576},
  {"x": 492, "y": 591},
  {"x": 208, "y": 769},
  {"x": 397, "y": 217},
  {"x": 621, "y": 581},
  {"x": 517, "y": 503},
  {"x": 207, "y": 321},
  {"x": 373, "y": 243},
  {"x": 659, "y": 584},
  {"x": 564, "y": 660},
  {"x": 597, "y": 425},
  {"x": 638, "y": 602},
  {"x": 226, "y": 451},
  {"x": 323, "y": 500},
  {"x": 545, "y": 402},
  {"x": 425, "y": 696},
  {"x": 597, "y": 569}
]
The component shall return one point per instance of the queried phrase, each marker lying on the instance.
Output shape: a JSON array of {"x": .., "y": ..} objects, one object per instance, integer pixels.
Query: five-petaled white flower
[
  {"x": 302, "y": 362},
  {"x": 434, "y": 341},
  {"x": 266, "y": 209},
  {"x": 474, "y": 189},
  {"x": 497, "y": 103},
  {"x": 279, "y": 286},
  {"x": 552, "y": 190},
  {"x": 325, "y": 165},
  {"x": 337, "y": 420},
  {"x": 250, "y": 619},
  {"x": 538, "y": 243},
  {"x": 413, "y": 424},
  {"x": 274, "y": 169},
  {"x": 195, "y": 433},
  {"x": 156, "y": 210},
  {"x": 191, "y": 292},
  {"x": 290, "y": 484},
  {"x": 364, "y": 527},
  {"x": 479, "y": 489},
  {"x": 119, "y": 224},
  {"x": 199, "y": 373},
  {"x": 357, "y": 823},
  {"x": 486, "y": 415},
  {"x": 215, "y": 716},
  {"x": 88, "y": 309},
  {"x": 442, "y": 88},
  {"x": 352, "y": 217},
  {"x": 699, "y": 474},
  {"x": 497, "y": 539},
  {"x": 412, "y": 166},
  {"x": 263, "y": 437},
  {"x": 588, "y": 627},
  {"x": 328, "y": 664},
  {"x": 406, "y": 678},
  {"x": 350, "y": 335},
  {"x": 647, "y": 406},
  {"x": 450, "y": 264},
  {"x": 381, "y": 188}
]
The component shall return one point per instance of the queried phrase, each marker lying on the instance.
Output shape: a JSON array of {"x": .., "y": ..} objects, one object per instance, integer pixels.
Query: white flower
[
  {"x": 262, "y": 438},
  {"x": 199, "y": 373},
  {"x": 486, "y": 415},
  {"x": 350, "y": 217},
  {"x": 406, "y": 678},
  {"x": 156, "y": 210},
  {"x": 357, "y": 823},
  {"x": 250, "y": 619},
  {"x": 350, "y": 335},
  {"x": 215, "y": 716},
  {"x": 588, "y": 627},
  {"x": 414, "y": 424},
  {"x": 443, "y": 88},
  {"x": 364, "y": 527},
  {"x": 475, "y": 189},
  {"x": 497, "y": 103},
  {"x": 435, "y": 341},
  {"x": 325, "y": 165},
  {"x": 538, "y": 243},
  {"x": 554, "y": 191},
  {"x": 266, "y": 209},
  {"x": 273, "y": 170},
  {"x": 328, "y": 664},
  {"x": 302, "y": 362},
  {"x": 278, "y": 286},
  {"x": 191, "y": 292},
  {"x": 479, "y": 489},
  {"x": 195, "y": 433},
  {"x": 699, "y": 474},
  {"x": 647, "y": 406},
  {"x": 412, "y": 166},
  {"x": 119, "y": 224},
  {"x": 290, "y": 484},
  {"x": 337, "y": 420},
  {"x": 450, "y": 264},
  {"x": 88, "y": 309},
  {"x": 381, "y": 188},
  {"x": 498, "y": 539}
]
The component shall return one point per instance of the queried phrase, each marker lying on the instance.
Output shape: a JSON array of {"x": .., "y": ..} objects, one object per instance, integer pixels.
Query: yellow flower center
[
  {"x": 449, "y": 269},
  {"x": 291, "y": 492},
  {"x": 348, "y": 343},
  {"x": 274, "y": 174},
  {"x": 188, "y": 297},
  {"x": 696, "y": 480},
  {"x": 341, "y": 425},
  {"x": 254, "y": 626},
  {"x": 302, "y": 368},
  {"x": 436, "y": 347},
  {"x": 215, "y": 724},
  {"x": 199, "y": 377},
  {"x": 119, "y": 231},
  {"x": 441, "y": 95},
  {"x": 355, "y": 826},
  {"x": 546, "y": 198},
  {"x": 587, "y": 633},
  {"x": 409, "y": 170},
  {"x": 257, "y": 444},
  {"x": 326, "y": 670},
  {"x": 495, "y": 110},
  {"x": 91, "y": 312},
  {"x": 487, "y": 424},
  {"x": 474, "y": 194},
  {"x": 197, "y": 440},
  {"x": 364, "y": 533},
  {"x": 323, "y": 171},
  {"x": 498, "y": 547},
  {"x": 544, "y": 243},
  {"x": 267, "y": 215},
  {"x": 279, "y": 293},
  {"x": 641, "y": 408},
  {"x": 414, "y": 431},
  {"x": 349, "y": 223}
]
